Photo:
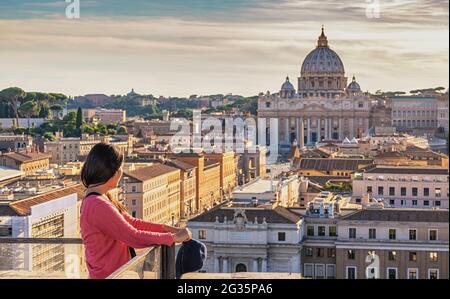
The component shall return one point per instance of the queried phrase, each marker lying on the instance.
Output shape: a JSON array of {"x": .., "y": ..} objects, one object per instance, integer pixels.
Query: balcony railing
[{"x": 63, "y": 258}]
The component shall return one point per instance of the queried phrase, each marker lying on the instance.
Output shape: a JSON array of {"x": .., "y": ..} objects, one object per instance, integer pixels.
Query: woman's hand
[{"x": 182, "y": 235}]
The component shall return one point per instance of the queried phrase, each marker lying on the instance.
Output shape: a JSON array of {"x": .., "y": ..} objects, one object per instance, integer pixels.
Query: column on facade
[
  {"x": 351, "y": 129},
  {"x": 287, "y": 135},
  {"x": 216, "y": 264},
  {"x": 366, "y": 125},
  {"x": 297, "y": 131},
  {"x": 225, "y": 265},
  {"x": 318, "y": 129},
  {"x": 309, "y": 130},
  {"x": 341, "y": 129},
  {"x": 255, "y": 265},
  {"x": 264, "y": 265},
  {"x": 326, "y": 129},
  {"x": 302, "y": 133}
]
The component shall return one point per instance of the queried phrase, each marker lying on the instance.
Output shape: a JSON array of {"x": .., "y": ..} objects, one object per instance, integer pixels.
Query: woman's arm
[
  {"x": 108, "y": 220},
  {"x": 149, "y": 226}
]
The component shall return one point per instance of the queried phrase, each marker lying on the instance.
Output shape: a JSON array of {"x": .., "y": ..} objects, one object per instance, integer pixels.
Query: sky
[{"x": 186, "y": 47}]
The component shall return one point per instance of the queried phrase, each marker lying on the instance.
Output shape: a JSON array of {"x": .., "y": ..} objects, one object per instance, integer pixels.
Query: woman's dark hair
[{"x": 102, "y": 163}]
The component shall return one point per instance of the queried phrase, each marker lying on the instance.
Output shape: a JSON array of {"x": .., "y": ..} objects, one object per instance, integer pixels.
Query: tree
[
  {"x": 79, "y": 120},
  {"x": 28, "y": 109},
  {"x": 14, "y": 96},
  {"x": 56, "y": 109}
]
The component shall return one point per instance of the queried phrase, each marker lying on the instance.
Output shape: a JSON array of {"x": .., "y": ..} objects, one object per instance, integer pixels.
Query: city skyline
[{"x": 174, "y": 48}]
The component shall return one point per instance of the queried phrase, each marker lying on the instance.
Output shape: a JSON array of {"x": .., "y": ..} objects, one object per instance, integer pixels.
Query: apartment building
[
  {"x": 152, "y": 193},
  {"x": 27, "y": 162},
  {"x": 188, "y": 190},
  {"x": 111, "y": 116},
  {"x": 207, "y": 175},
  {"x": 403, "y": 186},
  {"x": 15, "y": 142},
  {"x": 52, "y": 214},
  {"x": 414, "y": 113},
  {"x": 393, "y": 244},
  {"x": 73, "y": 149},
  {"x": 228, "y": 170}
]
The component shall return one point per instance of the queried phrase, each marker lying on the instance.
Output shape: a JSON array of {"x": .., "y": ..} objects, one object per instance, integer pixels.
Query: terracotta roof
[
  {"x": 179, "y": 164},
  {"x": 23, "y": 207},
  {"x": 333, "y": 164},
  {"x": 26, "y": 157},
  {"x": 149, "y": 172},
  {"x": 6, "y": 210},
  {"x": 277, "y": 215},
  {"x": 399, "y": 215},
  {"x": 211, "y": 163}
]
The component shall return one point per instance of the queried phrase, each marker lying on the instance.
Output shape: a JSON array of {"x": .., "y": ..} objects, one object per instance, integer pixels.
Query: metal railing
[{"x": 64, "y": 258}]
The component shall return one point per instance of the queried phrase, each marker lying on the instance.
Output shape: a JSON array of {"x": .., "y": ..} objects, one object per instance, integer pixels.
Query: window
[
  {"x": 391, "y": 191},
  {"x": 352, "y": 233},
  {"x": 320, "y": 252},
  {"x": 308, "y": 270},
  {"x": 413, "y": 234},
  {"x": 426, "y": 191},
  {"x": 372, "y": 233},
  {"x": 391, "y": 273},
  {"x": 331, "y": 271},
  {"x": 415, "y": 191},
  {"x": 133, "y": 189},
  {"x": 437, "y": 203},
  {"x": 351, "y": 273},
  {"x": 392, "y": 255},
  {"x": 310, "y": 231},
  {"x": 351, "y": 254},
  {"x": 133, "y": 202},
  {"x": 380, "y": 190},
  {"x": 437, "y": 192},
  {"x": 133, "y": 213},
  {"x": 432, "y": 235},
  {"x": 281, "y": 236},
  {"x": 433, "y": 256},
  {"x": 413, "y": 273},
  {"x": 433, "y": 274},
  {"x": 414, "y": 202},
  {"x": 332, "y": 231},
  {"x": 319, "y": 271},
  {"x": 202, "y": 234},
  {"x": 369, "y": 189},
  {"x": 426, "y": 202},
  {"x": 331, "y": 252},
  {"x": 413, "y": 256},
  {"x": 308, "y": 252},
  {"x": 321, "y": 231},
  {"x": 403, "y": 191},
  {"x": 392, "y": 234},
  {"x": 5, "y": 231},
  {"x": 392, "y": 202}
]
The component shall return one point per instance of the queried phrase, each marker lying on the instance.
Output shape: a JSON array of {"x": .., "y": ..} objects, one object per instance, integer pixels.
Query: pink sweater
[{"x": 107, "y": 234}]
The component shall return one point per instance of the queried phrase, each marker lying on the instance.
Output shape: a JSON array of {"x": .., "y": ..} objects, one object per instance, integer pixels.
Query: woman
[{"x": 109, "y": 233}]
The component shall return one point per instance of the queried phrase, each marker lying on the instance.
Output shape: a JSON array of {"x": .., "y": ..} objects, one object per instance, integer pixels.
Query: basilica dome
[
  {"x": 353, "y": 86},
  {"x": 322, "y": 59}
]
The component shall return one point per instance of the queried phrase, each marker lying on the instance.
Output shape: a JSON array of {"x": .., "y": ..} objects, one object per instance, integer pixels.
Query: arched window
[{"x": 241, "y": 268}]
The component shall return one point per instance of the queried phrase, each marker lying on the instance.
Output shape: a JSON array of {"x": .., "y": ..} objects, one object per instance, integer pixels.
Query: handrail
[
  {"x": 135, "y": 263},
  {"x": 7, "y": 240}
]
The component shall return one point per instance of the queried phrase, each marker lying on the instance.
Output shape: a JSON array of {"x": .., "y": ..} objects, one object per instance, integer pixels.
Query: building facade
[
  {"x": 324, "y": 107},
  {"x": 414, "y": 114}
]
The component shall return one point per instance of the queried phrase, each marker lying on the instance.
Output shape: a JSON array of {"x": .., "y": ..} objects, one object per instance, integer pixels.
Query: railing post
[{"x": 168, "y": 262}]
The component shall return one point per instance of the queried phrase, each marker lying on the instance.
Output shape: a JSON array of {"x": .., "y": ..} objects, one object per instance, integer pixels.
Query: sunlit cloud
[{"x": 243, "y": 48}]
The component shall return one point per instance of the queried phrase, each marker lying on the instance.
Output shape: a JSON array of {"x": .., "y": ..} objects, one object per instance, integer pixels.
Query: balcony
[{"x": 63, "y": 258}]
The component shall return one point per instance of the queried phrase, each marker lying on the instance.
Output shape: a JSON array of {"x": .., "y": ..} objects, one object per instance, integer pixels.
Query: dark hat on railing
[{"x": 190, "y": 258}]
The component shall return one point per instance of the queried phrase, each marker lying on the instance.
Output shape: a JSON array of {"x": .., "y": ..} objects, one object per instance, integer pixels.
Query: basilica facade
[{"x": 324, "y": 106}]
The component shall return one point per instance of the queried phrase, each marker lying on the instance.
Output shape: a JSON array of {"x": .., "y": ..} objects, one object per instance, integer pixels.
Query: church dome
[
  {"x": 322, "y": 59},
  {"x": 287, "y": 86},
  {"x": 353, "y": 86}
]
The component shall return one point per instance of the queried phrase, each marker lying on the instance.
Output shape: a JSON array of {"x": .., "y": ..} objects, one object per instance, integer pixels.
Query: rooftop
[
  {"x": 26, "y": 157},
  {"x": 150, "y": 172},
  {"x": 406, "y": 170},
  {"x": 399, "y": 215},
  {"x": 332, "y": 164}
]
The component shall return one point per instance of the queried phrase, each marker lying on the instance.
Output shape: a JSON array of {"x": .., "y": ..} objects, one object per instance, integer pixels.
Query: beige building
[
  {"x": 111, "y": 116},
  {"x": 324, "y": 107},
  {"x": 188, "y": 190},
  {"x": 153, "y": 193},
  {"x": 208, "y": 179},
  {"x": 403, "y": 186},
  {"x": 442, "y": 112},
  {"x": 393, "y": 244},
  {"x": 329, "y": 167},
  {"x": 251, "y": 165},
  {"x": 27, "y": 162},
  {"x": 228, "y": 170},
  {"x": 73, "y": 149},
  {"x": 415, "y": 114},
  {"x": 15, "y": 142}
]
